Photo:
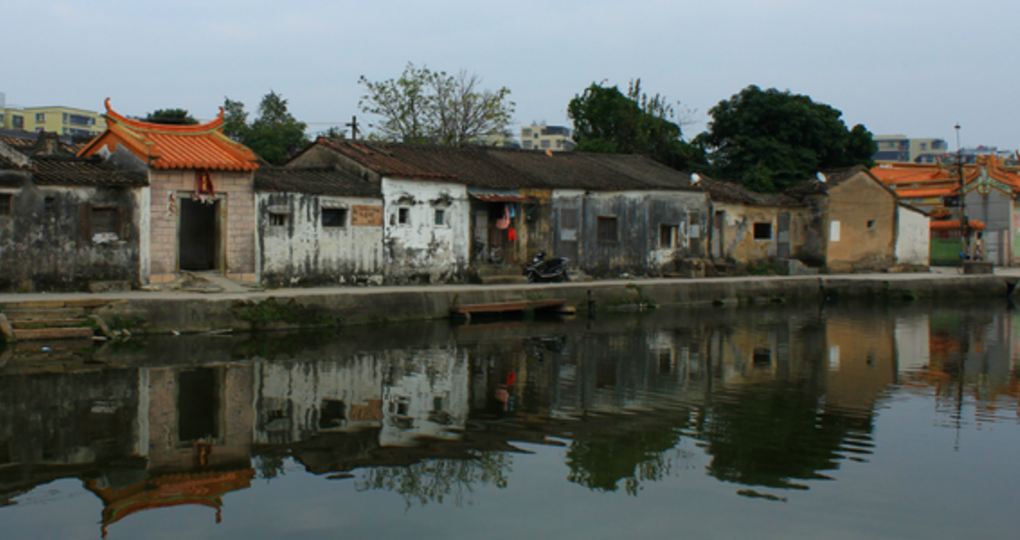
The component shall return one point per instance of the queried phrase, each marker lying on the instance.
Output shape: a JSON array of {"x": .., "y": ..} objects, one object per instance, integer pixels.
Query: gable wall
[
  {"x": 852, "y": 204},
  {"x": 421, "y": 250},
  {"x": 913, "y": 243}
]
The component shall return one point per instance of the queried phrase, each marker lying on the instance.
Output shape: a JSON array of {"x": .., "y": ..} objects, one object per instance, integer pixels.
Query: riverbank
[{"x": 189, "y": 312}]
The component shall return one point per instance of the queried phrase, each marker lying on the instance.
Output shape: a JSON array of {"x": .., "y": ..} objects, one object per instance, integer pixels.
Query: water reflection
[{"x": 769, "y": 399}]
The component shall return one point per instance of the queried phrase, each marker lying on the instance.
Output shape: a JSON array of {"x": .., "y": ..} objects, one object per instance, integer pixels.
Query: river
[{"x": 784, "y": 422}]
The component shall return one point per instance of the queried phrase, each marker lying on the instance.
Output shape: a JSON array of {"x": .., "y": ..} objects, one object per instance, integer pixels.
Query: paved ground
[{"x": 229, "y": 290}]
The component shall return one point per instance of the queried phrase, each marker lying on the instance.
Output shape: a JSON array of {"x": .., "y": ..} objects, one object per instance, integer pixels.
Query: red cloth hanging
[{"x": 511, "y": 235}]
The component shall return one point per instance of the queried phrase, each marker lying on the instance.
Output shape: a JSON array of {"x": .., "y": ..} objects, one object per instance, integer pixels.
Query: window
[
  {"x": 924, "y": 146},
  {"x": 607, "y": 229},
  {"x": 6, "y": 204},
  {"x": 871, "y": 224},
  {"x": 40, "y": 117},
  {"x": 334, "y": 217},
  {"x": 526, "y": 132},
  {"x": 17, "y": 122},
  {"x": 667, "y": 236},
  {"x": 332, "y": 414},
  {"x": 64, "y": 117},
  {"x": 761, "y": 357},
  {"x": 440, "y": 216},
  {"x": 568, "y": 218},
  {"x": 49, "y": 205},
  {"x": 404, "y": 216},
  {"x": 104, "y": 221},
  {"x": 546, "y": 143},
  {"x": 527, "y": 145},
  {"x": 762, "y": 231},
  {"x": 277, "y": 220},
  {"x": 665, "y": 361}
]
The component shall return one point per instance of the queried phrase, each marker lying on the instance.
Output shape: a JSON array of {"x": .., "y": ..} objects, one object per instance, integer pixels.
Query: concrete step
[
  {"x": 38, "y": 314},
  {"x": 52, "y": 333},
  {"x": 50, "y": 323}
]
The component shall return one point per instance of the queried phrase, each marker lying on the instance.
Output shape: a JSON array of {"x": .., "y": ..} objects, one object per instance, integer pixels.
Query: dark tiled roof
[
  {"x": 730, "y": 192},
  {"x": 29, "y": 143},
  {"x": 503, "y": 168},
  {"x": 74, "y": 171},
  {"x": 833, "y": 177},
  {"x": 315, "y": 181}
]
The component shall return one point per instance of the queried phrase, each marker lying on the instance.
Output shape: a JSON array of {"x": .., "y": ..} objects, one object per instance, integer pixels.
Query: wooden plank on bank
[{"x": 504, "y": 307}]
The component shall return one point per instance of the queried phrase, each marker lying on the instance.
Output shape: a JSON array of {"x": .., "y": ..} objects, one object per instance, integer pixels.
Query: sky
[{"x": 898, "y": 67}]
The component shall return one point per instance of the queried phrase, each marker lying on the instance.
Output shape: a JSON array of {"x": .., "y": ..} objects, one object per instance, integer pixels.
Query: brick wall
[{"x": 237, "y": 212}]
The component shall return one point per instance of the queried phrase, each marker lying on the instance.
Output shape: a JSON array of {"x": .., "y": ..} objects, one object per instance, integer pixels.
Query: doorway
[{"x": 198, "y": 235}]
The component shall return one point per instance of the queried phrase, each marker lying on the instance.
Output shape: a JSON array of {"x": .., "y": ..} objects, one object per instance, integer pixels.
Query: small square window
[
  {"x": 871, "y": 224},
  {"x": 404, "y": 216},
  {"x": 277, "y": 220},
  {"x": 49, "y": 205},
  {"x": 334, "y": 217},
  {"x": 607, "y": 229},
  {"x": 440, "y": 216},
  {"x": 6, "y": 203},
  {"x": 762, "y": 231},
  {"x": 104, "y": 221},
  {"x": 40, "y": 117}
]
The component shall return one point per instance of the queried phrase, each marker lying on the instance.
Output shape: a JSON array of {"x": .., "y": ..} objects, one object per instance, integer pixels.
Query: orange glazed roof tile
[
  {"x": 162, "y": 146},
  {"x": 924, "y": 193}
]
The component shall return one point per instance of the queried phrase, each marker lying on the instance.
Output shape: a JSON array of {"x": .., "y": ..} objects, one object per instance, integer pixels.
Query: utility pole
[
  {"x": 353, "y": 124},
  {"x": 964, "y": 223}
]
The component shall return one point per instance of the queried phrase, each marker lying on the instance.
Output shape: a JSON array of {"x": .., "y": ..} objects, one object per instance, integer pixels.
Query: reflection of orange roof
[
  {"x": 162, "y": 146},
  {"x": 954, "y": 224},
  {"x": 200, "y": 488}
]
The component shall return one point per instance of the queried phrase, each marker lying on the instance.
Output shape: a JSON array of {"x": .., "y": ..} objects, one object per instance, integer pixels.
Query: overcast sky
[{"x": 898, "y": 67}]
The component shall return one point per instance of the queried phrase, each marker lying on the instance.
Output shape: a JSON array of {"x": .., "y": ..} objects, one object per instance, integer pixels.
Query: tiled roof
[
  {"x": 28, "y": 142},
  {"x": 833, "y": 178},
  {"x": 925, "y": 193},
  {"x": 88, "y": 171},
  {"x": 945, "y": 175},
  {"x": 502, "y": 168},
  {"x": 730, "y": 192},
  {"x": 954, "y": 224},
  {"x": 315, "y": 181},
  {"x": 202, "y": 146}
]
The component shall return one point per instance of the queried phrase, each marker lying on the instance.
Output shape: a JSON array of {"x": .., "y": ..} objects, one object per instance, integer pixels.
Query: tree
[
  {"x": 607, "y": 121},
  {"x": 171, "y": 116},
  {"x": 274, "y": 135},
  {"x": 425, "y": 106},
  {"x": 770, "y": 140}
]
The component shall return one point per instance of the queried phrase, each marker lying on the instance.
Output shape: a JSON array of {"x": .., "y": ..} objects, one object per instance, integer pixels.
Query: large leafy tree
[
  {"x": 425, "y": 106},
  {"x": 274, "y": 134},
  {"x": 607, "y": 120},
  {"x": 171, "y": 116},
  {"x": 770, "y": 140}
]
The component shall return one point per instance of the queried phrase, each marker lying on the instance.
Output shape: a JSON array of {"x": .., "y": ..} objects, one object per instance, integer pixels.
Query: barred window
[
  {"x": 334, "y": 217},
  {"x": 6, "y": 204}
]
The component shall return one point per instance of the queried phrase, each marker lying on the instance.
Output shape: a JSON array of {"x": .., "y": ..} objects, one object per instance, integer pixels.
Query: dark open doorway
[
  {"x": 198, "y": 235},
  {"x": 198, "y": 404}
]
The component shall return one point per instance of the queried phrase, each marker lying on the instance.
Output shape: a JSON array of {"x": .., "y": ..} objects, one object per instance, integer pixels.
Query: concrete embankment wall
[
  {"x": 307, "y": 308},
  {"x": 310, "y": 308}
]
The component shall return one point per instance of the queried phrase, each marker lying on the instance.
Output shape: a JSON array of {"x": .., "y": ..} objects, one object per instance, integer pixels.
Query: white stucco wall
[
  {"x": 420, "y": 248},
  {"x": 913, "y": 239},
  {"x": 302, "y": 250},
  {"x": 426, "y": 378}
]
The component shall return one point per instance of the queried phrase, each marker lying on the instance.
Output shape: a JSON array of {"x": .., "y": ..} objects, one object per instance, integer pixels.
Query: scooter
[{"x": 541, "y": 269}]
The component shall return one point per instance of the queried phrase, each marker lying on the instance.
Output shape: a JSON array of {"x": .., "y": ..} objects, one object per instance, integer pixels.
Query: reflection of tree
[
  {"x": 601, "y": 462},
  {"x": 269, "y": 466},
  {"x": 770, "y": 434},
  {"x": 435, "y": 480}
]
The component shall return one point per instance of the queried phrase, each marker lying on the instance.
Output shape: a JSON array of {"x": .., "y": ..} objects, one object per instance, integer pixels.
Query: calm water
[{"x": 760, "y": 423}]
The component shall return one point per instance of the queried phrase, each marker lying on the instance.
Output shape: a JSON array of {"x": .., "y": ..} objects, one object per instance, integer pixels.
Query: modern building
[
  {"x": 900, "y": 148},
  {"x": 54, "y": 119},
  {"x": 555, "y": 138}
]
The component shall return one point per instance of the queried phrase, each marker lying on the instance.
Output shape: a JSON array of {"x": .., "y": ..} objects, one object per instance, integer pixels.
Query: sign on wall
[{"x": 366, "y": 216}]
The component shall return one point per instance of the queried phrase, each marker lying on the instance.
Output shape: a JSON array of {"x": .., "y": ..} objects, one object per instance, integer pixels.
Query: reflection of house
[
  {"x": 65, "y": 220},
  {"x": 198, "y": 211}
]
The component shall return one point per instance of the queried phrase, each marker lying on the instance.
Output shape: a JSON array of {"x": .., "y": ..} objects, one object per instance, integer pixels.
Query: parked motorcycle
[{"x": 542, "y": 270}]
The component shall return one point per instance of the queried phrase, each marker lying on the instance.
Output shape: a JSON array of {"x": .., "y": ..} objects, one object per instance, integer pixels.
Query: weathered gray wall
[
  {"x": 50, "y": 251},
  {"x": 639, "y": 216},
  {"x": 306, "y": 253}
]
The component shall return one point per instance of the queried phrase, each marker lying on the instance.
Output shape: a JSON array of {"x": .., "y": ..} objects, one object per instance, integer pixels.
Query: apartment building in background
[
  {"x": 55, "y": 119},
  {"x": 555, "y": 138},
  {"x": 901, "y": 149}
]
